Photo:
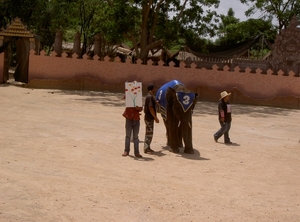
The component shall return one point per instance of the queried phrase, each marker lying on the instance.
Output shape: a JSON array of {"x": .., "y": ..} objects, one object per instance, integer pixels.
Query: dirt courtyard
[{"x": 60, "y": 159}]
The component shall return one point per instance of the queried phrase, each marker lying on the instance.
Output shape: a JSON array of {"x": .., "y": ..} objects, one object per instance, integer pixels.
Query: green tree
[
  {"x": 87, "y": 9},
  {"x": 249, "y": 29},
  {"x": 223, "y": 32},
  {"x": 232, "y": 31},
  {"x": 43, "y": 17},
  {"x": 280, "y": 10},
  {"x": 115, "y": 22},
  {"x": 10, "y": 9},
  {"x": 52, "y": 16},
  {"x": 242, "y": 31},
  {"x": 164, "y": 21}
]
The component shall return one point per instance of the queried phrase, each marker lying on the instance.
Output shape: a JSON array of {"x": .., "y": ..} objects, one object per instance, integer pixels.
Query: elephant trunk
[{"x": 187, "y": 136}]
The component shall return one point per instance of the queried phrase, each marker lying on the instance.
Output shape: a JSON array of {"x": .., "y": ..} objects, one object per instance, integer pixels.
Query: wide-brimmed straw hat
[{"x": 224, "y": 94}]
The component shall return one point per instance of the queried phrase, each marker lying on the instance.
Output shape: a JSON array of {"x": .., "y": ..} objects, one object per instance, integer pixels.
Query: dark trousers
[
  {"x": 224, "y": 130},
  {"x": 148, "y": 133}
]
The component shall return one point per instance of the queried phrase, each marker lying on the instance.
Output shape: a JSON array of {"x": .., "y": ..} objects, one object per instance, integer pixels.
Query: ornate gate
[{"x": 16, "y": 34}]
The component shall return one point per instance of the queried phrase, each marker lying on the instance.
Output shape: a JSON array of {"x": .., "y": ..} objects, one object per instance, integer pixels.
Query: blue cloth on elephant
[
  {"x": 186, "y": 100},
  {"x": 161, "y": 96}
]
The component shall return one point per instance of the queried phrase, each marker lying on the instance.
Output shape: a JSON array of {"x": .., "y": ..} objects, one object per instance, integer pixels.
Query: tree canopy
[
  {"x": 232, "y": 31},
  {"x": 282, "y": 11},
  {"x": 145, "y": 25}
]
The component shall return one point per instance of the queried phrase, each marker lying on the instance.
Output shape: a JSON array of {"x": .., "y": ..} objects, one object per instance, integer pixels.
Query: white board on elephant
[{"x": 133, "y": 94}]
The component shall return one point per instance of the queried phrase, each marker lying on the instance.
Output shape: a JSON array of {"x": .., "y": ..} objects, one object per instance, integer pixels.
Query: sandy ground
[{"x": 60, "y": 159}]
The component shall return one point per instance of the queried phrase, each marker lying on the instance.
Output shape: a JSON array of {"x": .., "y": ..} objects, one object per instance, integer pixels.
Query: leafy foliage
[
  {"x": 146, "y": 25},
  {"x": 280, "y": 10}
]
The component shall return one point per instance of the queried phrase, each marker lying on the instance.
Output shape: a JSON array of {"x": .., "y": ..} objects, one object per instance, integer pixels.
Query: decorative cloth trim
[{"x": 185, "y": 99}]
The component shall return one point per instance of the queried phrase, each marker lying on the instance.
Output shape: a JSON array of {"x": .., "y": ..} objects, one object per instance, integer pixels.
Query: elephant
[{"x": 176, "y": 104}]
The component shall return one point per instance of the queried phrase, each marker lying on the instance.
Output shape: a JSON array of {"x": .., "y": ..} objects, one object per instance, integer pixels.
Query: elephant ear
[
  {"x": 170, "y": 95},
  {"x": 186, "y": 100},
  {"x": 195, "y": 100}
]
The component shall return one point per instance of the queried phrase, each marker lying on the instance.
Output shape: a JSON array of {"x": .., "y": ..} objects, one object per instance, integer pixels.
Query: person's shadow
[{"x": 232, "y": 144}]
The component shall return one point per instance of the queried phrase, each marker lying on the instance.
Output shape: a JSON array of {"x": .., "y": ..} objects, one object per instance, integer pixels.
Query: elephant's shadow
[{"x": 195, "y": 156}]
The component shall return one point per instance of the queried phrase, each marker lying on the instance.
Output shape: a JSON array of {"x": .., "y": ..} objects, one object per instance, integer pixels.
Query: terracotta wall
[
  {"x": 85, "y": 74},
  {"x": 1, "y": 65}
]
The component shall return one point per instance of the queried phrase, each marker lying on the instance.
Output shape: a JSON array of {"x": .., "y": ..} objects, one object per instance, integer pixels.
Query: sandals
[{"x": 149, "y": 151}]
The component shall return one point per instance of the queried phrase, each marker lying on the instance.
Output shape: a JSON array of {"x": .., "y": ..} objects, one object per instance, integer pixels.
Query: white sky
[{"x": 238, "y": 8}]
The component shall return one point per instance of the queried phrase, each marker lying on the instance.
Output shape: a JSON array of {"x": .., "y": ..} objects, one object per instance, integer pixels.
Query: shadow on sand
[
  {"x": 103, "y": 97},
  {"x": 202, "y": 108},
  {"x": 211, "y": 108},
  {"x": 195, "y": 156}
]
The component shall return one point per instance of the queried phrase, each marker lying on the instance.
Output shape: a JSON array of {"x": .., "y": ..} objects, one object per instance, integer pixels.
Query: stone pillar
[
  {"x": 1, "y": 40},
  {"x": 97, "y": 45},
  {"x": 37, "y": 44},
  {"x": 77, "y": 44},
  {"x": 58, "y": 44},
  {"x": 31, "y": 43},
  {"x": 233, "y": 63}
]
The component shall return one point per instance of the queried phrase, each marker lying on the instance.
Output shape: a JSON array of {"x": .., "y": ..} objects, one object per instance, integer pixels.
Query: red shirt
[{"x": 132, "y": 113}]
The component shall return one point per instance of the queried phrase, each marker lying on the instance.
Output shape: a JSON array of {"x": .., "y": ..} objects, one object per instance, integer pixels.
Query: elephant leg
[
  {"x": 167, "y": 132},
  {"x": 174, "y": 135},
  {"x": 187, "y": 138},
  {"x": 180, "y": 144}
]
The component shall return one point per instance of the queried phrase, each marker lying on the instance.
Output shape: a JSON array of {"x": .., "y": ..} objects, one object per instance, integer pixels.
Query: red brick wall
[
  {"x": 94, "y": 74},
  {"x": 1, "y": 65}
]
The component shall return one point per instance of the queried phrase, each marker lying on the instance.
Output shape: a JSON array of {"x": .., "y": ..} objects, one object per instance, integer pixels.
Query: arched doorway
[{"x": 16, "y": 42}]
